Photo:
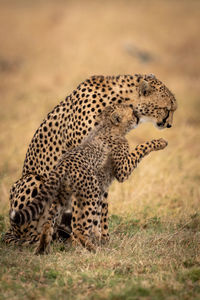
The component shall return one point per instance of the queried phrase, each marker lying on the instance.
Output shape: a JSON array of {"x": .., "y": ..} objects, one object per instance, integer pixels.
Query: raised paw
[{"x": 160, "y": 144}]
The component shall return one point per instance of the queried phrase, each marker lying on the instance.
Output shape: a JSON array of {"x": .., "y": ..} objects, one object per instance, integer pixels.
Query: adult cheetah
[
  {"x": 70, "y": 122},
  {"x": 84, "y": 175}
]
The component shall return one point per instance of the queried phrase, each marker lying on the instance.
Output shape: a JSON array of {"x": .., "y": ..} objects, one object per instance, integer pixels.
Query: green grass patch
[
  {"x": 130, "y": 225},
  {"x": 2, "y": 224},
  {"x": 142, "y": 261},
  {"x": 192, "y": 274}
]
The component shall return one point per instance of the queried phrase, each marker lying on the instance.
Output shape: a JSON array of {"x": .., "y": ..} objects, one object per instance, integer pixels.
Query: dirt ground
[{"x": 47, "y": 49}]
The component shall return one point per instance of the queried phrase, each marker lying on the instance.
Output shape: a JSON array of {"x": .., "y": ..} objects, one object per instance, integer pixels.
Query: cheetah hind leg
[
  {"x": 104, "y": 220},
  {"x": 78, "y": 235}
]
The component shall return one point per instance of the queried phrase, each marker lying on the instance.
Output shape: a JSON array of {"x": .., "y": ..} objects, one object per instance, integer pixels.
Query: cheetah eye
[
  {"x": 166, "y": 111},
  {"x": 115, "y": 118}
]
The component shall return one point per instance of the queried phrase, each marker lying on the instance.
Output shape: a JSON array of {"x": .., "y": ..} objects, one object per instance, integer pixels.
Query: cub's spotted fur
[{"x": 84, "y": 175}]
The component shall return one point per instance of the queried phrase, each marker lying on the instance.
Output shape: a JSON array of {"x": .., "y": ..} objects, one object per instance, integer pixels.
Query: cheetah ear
[
  {"x": 144, "y": 88},
  {"x": 115, "y": 118},
  {"x": 150, "y": 76}
]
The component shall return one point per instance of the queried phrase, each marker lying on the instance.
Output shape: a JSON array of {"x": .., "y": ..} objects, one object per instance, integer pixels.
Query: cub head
[
  {"x": 120, "y": 117},
  {"x": 154, "y": 102}
]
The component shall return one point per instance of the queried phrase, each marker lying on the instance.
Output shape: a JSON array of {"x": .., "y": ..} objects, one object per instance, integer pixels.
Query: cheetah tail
[
  {"x": 35, "y": 208},
  {"x": 29, "y": 213}
]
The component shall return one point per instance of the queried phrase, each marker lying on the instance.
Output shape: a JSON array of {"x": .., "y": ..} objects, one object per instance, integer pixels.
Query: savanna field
[{"x": 47, "y": 49}]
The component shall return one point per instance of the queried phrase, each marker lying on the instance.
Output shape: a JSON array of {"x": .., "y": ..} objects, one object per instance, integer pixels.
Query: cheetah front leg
[{"x": 125, "y": 162}]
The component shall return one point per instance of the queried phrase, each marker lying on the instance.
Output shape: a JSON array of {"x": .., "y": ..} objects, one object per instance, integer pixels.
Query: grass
[
  {"x": 153, "y": 260},
  {"x": 47, "y": 48}
]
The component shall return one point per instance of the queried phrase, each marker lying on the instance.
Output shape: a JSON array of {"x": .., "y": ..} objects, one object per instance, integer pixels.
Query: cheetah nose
[{"x": 169, "y": 126}]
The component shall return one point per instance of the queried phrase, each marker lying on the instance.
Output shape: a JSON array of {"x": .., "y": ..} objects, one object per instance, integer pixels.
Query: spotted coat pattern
[
  {"x": 84, "y": 175},
  {"x": 70, "y": 122}
]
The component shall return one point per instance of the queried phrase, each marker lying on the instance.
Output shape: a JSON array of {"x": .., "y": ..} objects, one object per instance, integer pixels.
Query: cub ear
[
  {"x": 115, "y": 118},
  {"x": 144, "y": 88}
]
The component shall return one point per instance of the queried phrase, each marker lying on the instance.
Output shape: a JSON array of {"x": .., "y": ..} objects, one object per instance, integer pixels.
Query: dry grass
[{"x": 47, "y": 48}]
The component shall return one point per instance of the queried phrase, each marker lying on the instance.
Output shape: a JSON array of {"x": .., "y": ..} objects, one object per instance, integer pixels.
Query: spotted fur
[
  {"x": 70, "y": 122},
  {"x": 84, "y": 175}
]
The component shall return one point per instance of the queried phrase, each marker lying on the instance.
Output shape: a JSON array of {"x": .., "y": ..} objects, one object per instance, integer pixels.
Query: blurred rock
[
  {"x": 9, "y": 65},
  {"x": 136, "y": 52}
]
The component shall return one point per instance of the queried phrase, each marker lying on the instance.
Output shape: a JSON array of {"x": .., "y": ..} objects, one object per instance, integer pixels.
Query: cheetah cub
[{"x": 84, "y": 174}]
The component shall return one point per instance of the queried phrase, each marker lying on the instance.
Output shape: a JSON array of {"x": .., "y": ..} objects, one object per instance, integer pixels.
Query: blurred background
[{"x": 49, "y": 47}]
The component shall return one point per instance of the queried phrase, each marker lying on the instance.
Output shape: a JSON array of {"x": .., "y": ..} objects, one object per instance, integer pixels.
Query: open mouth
[
  {"x": 160, "y": 125},
  {"x": 163, "y": 125}
]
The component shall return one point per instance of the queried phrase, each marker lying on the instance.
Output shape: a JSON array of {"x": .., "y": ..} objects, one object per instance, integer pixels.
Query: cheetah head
[{"x": 155, "y": 102}]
